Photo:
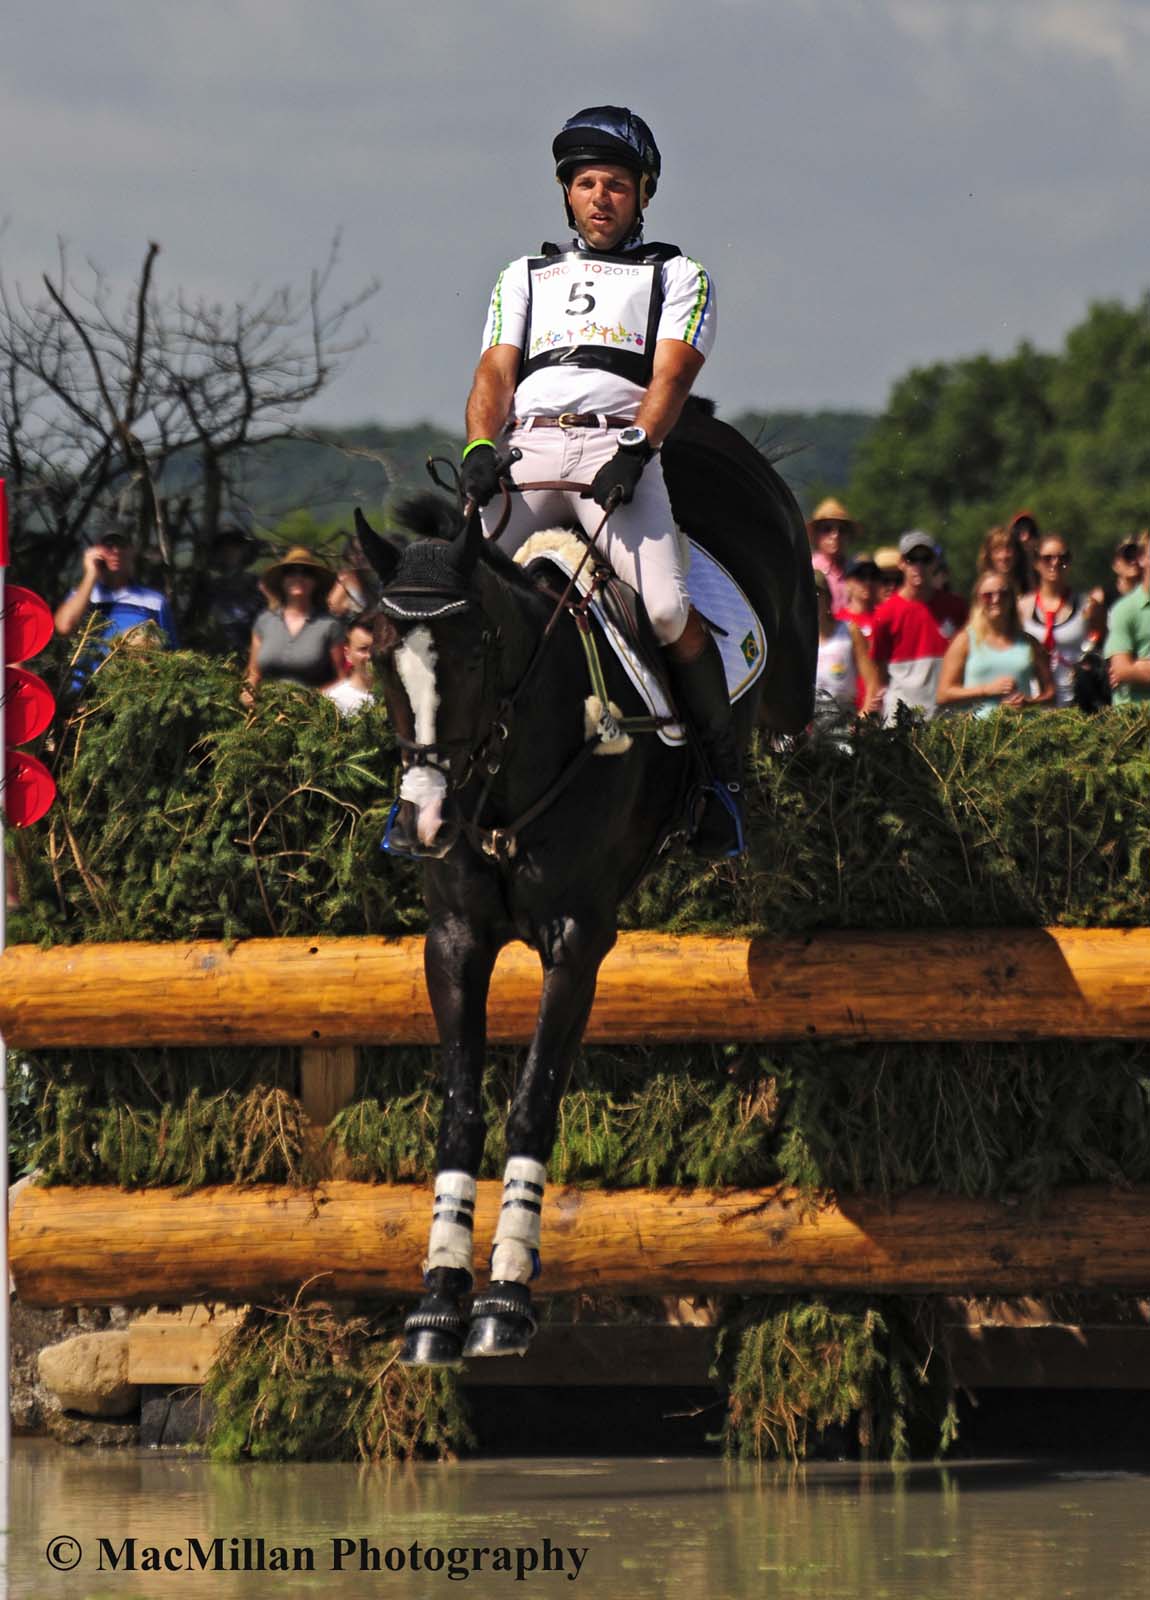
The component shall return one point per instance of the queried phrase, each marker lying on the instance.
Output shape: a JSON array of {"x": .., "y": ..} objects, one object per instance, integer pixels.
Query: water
[{"x": 644, "y": 1528}]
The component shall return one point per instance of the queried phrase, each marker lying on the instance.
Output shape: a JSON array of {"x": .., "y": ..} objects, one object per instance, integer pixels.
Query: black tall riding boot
[{"x": 701, "y": 693}]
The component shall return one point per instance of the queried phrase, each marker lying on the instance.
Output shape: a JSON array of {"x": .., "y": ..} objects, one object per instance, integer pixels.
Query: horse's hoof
[
  {"x": 501, "y": 1322},
  {"x": 433, "y": 1334},
  {"x": 430, "y": 1347}
]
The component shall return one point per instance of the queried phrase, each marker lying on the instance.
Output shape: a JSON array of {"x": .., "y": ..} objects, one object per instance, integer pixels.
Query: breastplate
[{"x": 594, "y": 310}]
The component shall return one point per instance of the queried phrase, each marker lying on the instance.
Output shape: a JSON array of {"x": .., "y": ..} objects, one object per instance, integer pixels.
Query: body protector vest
[{"x": 595, "y": 309}]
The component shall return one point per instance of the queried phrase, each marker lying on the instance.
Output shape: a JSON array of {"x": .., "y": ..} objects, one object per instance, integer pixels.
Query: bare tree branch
[
  {"x": 102, "y": 401},
  {"x": 137, "y": 372}
]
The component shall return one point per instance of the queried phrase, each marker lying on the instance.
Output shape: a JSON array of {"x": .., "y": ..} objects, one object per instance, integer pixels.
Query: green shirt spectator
[{"x": 1128, "y": 639}]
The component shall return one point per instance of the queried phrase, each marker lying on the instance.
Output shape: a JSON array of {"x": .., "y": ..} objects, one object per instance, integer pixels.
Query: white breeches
[{"x": 640, "y": 540}]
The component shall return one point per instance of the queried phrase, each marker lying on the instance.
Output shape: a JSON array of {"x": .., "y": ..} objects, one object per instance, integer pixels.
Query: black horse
[{"x": 527, "y": 833}]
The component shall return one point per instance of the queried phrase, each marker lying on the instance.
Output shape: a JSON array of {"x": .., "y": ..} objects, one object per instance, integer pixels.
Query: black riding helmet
[{"x": 610, "y": 134}]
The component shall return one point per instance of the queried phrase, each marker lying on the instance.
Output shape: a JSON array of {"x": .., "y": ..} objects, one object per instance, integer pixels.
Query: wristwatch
[{"x": 634, "y": 438}]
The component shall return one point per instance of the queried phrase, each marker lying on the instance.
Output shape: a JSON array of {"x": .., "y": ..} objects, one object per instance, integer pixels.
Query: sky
[{"x": 873, "y": 184}]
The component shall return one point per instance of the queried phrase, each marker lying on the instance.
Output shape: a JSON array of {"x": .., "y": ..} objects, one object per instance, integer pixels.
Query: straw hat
[
  {"x": 831, "y": 510},
  {"x": 298, "y": 556}
]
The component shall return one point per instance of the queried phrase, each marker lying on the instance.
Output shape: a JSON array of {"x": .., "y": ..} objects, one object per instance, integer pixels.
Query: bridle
[
  {"x": 440, "y": 754},
  {"x": 485, "y": 751},
  {"x": 483, "y": 755}
]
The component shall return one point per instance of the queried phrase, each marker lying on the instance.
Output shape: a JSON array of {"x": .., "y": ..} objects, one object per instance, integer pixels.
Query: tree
[
  {"x": 140, "y": 410},
  {"x": 962, "y": 445}
]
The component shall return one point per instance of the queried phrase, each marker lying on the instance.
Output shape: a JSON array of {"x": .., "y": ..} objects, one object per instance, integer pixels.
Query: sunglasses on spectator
[
  {"x": 920, "y": 558},
  {"x": 1059, "y": 561},
  {"x": 1127, "y": 552},
  {"x": 993, "y": 594}
]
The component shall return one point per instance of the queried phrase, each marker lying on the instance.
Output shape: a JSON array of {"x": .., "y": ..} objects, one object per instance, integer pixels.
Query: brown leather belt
[{"x": 574, "y": 419}]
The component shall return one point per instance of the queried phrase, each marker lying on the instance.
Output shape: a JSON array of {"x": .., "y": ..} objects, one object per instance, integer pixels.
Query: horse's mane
[{"x": 432, "y": 516}]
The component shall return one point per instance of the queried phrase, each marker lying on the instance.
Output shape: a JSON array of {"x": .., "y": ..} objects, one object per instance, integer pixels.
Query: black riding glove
[
  {"x": 616, "y": 481},
  {"x": 479, "y": 475}
]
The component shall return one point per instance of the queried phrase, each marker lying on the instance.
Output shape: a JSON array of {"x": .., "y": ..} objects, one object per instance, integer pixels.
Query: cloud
[
  {"x": 871, "y": 184},
  {"x": 1114, "y": 32}
]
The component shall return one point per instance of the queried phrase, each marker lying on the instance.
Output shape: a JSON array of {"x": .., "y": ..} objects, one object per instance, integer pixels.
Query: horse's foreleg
[
  {"x": 501, "y": 1320},
  {"x": 458, "y": 964}
]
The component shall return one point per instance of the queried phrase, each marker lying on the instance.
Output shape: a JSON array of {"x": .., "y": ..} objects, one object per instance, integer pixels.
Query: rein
[{"x": 489, "y": 747}]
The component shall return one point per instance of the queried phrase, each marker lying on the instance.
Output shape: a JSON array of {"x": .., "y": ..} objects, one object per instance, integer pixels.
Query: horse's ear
[
  {"x": 383, "y": 556},
  {"x": 467, "y": 545}
]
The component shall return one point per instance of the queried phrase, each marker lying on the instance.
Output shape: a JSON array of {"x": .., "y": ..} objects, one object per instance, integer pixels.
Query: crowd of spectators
[
  {"x": 296, "y": 621},
  {"x": 893, "y": 634}
]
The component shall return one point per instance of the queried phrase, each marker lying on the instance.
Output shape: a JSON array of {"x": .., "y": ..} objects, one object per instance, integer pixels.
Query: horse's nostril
[{"x": 407, "y": 834}]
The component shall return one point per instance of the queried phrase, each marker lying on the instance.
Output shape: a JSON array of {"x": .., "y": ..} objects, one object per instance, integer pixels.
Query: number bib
[{"x": 593, "y": 311}]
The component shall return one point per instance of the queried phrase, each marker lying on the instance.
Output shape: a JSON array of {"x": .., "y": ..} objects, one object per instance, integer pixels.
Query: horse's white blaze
[
  {"x": 425, "y": 787},
  {"x": 415, "y": 663}
]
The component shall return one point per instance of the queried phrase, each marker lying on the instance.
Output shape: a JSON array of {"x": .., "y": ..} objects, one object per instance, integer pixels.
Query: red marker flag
[
  {"x": 27, "y": 623},
  {"x": 26, "y": 703}
]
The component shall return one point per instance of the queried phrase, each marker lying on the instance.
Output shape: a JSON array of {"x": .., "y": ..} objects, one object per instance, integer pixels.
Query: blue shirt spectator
[
  {"x": 108, "y": 586},
  {"x": 127, "y": 606}
]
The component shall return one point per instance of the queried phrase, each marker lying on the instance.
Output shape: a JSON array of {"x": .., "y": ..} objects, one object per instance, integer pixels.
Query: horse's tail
[{"x": 726, "y": 494}]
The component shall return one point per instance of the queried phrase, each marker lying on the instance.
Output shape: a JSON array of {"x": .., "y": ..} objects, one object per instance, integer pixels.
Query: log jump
[
  {"x": 993, "y": 984},
  {"x": 101, "y": 1246}
]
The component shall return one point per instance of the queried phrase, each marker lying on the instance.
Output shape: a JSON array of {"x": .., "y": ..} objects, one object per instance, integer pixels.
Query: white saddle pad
[{"x": 742, "y": 644}]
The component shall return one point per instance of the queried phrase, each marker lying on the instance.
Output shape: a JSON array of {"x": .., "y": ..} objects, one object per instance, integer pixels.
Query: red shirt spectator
[{"x": 911, "y": 631}]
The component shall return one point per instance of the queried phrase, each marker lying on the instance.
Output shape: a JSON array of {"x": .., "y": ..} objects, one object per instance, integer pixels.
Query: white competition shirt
[
  {"x": 349, "y": 700},
  {"x": 836, "y": 677},
  {"x": 585, "y": 300}
]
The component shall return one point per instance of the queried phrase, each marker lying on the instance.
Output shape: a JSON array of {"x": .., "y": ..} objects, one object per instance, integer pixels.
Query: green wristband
[{"x": 474, "y": 445}]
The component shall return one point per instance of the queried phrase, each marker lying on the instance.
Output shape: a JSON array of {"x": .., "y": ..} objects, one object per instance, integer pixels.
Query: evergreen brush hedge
[
  {"x": 971, "y": 1119},
  {"x": 303, "y": 1383},
  {"x": 867, "y": 1373},
  {"x": 182, "y": 815}
]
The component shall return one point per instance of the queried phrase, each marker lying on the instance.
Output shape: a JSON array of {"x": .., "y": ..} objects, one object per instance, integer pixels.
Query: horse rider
[{"x": 589, "y": 353}]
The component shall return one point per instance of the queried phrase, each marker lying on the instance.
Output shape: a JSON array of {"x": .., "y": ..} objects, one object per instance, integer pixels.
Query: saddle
[
  {"x": 556, "y": 555},
  {"x": 626, "y": 616}
]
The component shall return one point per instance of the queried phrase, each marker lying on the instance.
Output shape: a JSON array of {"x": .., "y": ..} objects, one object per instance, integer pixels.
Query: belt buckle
[{"x": 568, "y": 419}]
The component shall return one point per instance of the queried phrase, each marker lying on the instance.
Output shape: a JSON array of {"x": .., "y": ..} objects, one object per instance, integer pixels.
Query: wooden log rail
[
  {"x": 106, "y": 1246},
  {"x": 997, "y": 983}
]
